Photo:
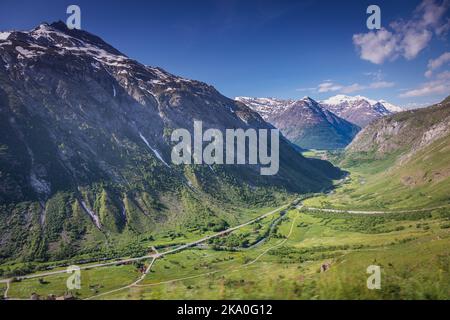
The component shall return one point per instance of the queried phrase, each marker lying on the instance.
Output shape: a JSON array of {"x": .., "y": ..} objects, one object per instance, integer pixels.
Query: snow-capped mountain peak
[
  {"x": 304, "y": 122},
  {"x": 340, "y": 98},
  {"x": 359, "y": 109},
  {"x": 391, "y": 107},
  {"x": 266, "y": 107},
  {"x": 4, "y": 35},
  {"x": 55, "y": 40},
  {"x": 309, "y": 100}
]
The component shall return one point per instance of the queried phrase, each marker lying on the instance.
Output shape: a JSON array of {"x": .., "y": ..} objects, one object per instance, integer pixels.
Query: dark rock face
[
  {"x": 85, "y": 140},
  {"x": 305, "y": 122}
]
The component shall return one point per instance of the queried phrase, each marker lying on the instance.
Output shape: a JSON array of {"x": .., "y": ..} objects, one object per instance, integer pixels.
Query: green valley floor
[{"x": 292, "y": 254}]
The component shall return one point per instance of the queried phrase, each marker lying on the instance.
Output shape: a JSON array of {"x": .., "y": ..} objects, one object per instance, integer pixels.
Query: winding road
[
  {"x": 302, "y": 207},
  {"x": 151, "y": 256},
  {"x": 136, "y": 283},
  {"x": 157, "y": 254}
]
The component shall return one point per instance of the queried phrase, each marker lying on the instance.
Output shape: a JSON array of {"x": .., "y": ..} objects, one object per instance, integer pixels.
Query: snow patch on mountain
[
  {"x": 39, "y": 185},
  {"x": 4, "y": 35},
  {"x": 266, "y": 107},
  {"x": 391, "y": 107},
  {"x": 48, "y": 34},
  {"x": 355, "y": 100},
  {"x": 124, "y": 212},
  {"x": 157, "y": 154},
  {"x": 27, "y": 53},
  {"x": 304, "y": 122},
  {"x": 340, "y": 98},
  {"x": 92, "y": 214},
  {"x": 358, "y": 109}
]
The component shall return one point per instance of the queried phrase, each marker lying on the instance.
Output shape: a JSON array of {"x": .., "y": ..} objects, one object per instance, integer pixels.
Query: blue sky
[{"x": 280, "y": 48}]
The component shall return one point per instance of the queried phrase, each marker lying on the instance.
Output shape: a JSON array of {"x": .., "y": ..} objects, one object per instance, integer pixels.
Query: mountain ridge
[
  {"x": 358, "y": 109},
  {"x": 304, "y": 122}
]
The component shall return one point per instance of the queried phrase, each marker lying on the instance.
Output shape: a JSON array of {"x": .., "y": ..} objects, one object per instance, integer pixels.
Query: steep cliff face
[
  {"x": 85, "y": 147},
  {"x": 404, "y": 133}
]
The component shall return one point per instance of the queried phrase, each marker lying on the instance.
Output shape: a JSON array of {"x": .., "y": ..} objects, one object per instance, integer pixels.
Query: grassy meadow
[{"x": 287, "y": 265}]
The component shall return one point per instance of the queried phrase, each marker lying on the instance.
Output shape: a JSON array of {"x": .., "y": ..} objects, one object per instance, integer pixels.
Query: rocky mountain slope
[
  {"x": 409, "y": 155},
  {"x": 85, "y": 149},
  {"x": 304, "y": 122},
  {"x": 359, "y": 110},
  {"x": 408, "y": 131}
]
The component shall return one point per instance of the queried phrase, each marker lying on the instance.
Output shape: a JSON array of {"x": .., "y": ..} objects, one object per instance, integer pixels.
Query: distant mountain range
[
  {"x": 329, "y": 124},
  {"x": 304, "y": 122},
  {"x": 359, "y": 110},
  {"x": 85, "y": 149}
]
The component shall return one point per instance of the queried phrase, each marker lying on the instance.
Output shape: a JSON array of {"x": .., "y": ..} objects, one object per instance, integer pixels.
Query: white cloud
[
  {"x": 431, "y": 13},
  {"x": 434, "y": 64},
  {"x": 413, "y": 42},
  {"x": 406, "y": 38},
  {"x": 427, "y": 89},
  {"x": 381, "y": 85},
  {"x": 305, "y": 89},
  {"x": 352, "y": 88},
  {"x": 330, "y": 86},
  {"x": 417, "y": 105},
  {"x": 376, "y": 47},
  {"x": 441, "y": 85},
  {"x": 444, "y": 29},
  {"x": 375, "y": 75},
  {"x": 444, "y": 75}
]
